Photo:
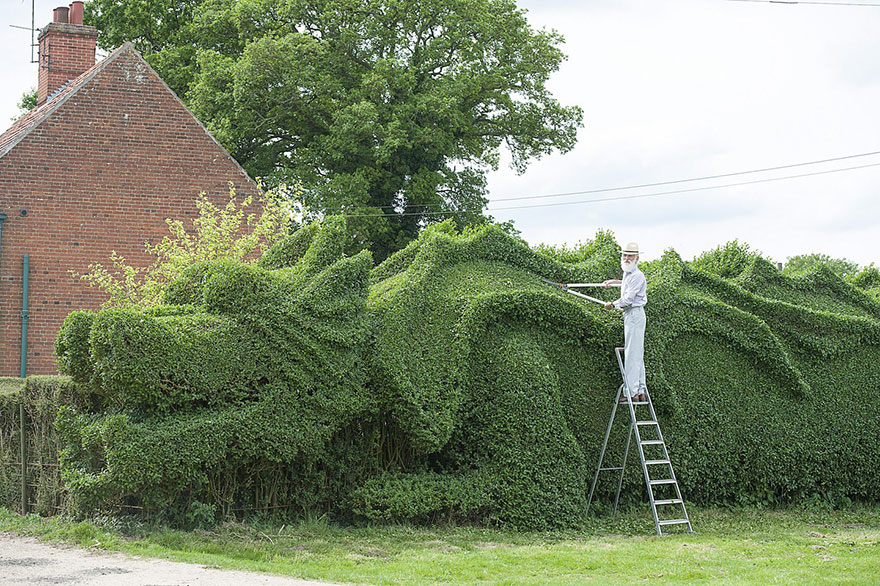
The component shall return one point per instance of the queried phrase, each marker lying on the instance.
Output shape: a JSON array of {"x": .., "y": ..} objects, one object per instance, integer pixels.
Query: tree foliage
[
  {"x": 728, "y": 260},
  {"x": 868, "y": 279},
  {"x": 389, "y": 110},
  {"x": 241, "y": 230},
  {"x": 809, "y": 262},
  {"x": 27, "y": 103},
  {"x": 160, "y": 29}
]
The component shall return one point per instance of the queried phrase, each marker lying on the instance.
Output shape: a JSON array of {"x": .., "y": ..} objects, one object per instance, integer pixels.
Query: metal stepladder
[{"x": 656, "y": 466}]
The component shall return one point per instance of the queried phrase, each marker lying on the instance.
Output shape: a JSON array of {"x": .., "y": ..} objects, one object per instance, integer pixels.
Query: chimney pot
[
  {"x": 67, "y": 49},
  {"x": 76, "y": 12},
  {"x": 60, "y": 14}
]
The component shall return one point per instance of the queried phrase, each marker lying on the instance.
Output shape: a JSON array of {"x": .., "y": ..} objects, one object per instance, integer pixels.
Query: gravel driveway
[{"x": 24, "y": 560}]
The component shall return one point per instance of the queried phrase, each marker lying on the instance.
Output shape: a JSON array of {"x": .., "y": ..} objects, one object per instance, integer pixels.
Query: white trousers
[{"x": 634, "y": 322}]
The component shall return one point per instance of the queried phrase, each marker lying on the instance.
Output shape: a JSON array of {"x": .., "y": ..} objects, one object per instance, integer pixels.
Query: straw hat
[{"x": 630, "y": 248}]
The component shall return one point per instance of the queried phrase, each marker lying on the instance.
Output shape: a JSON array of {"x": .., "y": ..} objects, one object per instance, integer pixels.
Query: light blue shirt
[{"x": 633, "y": 290}]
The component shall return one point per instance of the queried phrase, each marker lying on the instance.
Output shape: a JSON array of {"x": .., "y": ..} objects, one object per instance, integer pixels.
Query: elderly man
[{"x": 633, "y": 297}]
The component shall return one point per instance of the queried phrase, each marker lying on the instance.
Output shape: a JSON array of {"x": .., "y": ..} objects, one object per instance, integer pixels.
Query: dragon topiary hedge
[{"x": 450, "y": 382}]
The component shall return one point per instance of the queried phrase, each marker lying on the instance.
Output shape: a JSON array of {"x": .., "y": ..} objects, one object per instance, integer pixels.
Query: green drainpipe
[
  {"x": 21, "y": 414},
  {"x": 2, "y": 217},
  {"x": 24, "y": 315},
  {"x": 24, "y": 318}
]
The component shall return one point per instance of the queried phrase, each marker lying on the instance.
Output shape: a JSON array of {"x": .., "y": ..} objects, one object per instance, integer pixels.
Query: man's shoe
[{"x": 641, "y": 397}]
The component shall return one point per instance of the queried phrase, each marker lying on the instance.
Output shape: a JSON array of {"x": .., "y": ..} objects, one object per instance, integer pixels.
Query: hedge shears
[{"x": 569, "y": 288}]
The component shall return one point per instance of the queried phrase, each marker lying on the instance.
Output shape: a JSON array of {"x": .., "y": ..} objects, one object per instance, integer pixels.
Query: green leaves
[
  {"x": 27, "y": 102},
  {"x": 233, "y": 232},
  {"x": 727, "y": 261},
  {"x": 450, "y": 382},
  {"x": 159, "y": 29},
  {"x": 250, "y": 364},
  {"x": 382, "y": 107},
  {"x": 806, "y": 262}
]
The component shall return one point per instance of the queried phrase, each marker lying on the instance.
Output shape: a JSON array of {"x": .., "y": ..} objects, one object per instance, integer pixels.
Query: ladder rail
[
  {"x": 622, "y": 468},
  {"x": 662, "y": 444},
  {"x": 665, "y": 461},
  {"x": 601, "y": 457},
  {"x": 633, "y": 420}
]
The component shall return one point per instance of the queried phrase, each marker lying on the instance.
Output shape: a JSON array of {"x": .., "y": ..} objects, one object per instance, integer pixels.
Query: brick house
[{"x": 108, "y": 154}]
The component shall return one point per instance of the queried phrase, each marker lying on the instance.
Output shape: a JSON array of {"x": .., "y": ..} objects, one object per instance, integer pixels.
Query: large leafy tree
[
  {"x": 805, "y": 262},
  {"x": 160, "y": 29},
  {"x": 27, "y": 102},
  {"x": 389, "y": 110}
]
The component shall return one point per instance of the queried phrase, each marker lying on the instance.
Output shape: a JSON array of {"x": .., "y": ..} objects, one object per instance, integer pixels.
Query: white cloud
[
  {"x": 18, "y": 73},
  {"x": 675, "y": 90}
]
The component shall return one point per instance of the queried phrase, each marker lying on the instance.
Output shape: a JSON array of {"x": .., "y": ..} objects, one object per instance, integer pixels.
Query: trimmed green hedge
[
  {"x": 450, "y": 382},
  {"x": 42, "y": 397}
]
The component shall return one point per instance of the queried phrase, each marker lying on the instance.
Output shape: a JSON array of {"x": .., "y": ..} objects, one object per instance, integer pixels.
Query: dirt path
[{"x": 24, "y": 560}]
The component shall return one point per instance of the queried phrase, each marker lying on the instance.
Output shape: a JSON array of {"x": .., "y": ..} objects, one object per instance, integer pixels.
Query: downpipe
[
  {"x": 24, "y": 314},
  {"x": 2, "y": 217},
  {"x": 23, "y": 373}
]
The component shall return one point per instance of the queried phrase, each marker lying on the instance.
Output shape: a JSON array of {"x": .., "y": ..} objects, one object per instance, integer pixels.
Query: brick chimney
[{"x": 67, "y": 48}]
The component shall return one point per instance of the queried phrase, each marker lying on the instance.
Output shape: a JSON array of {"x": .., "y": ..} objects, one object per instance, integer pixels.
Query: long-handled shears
[{"x": 568, "y": 287}]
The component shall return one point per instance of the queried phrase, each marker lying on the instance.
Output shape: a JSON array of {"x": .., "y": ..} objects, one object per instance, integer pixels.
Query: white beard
[{"x": 628, "y": 266}]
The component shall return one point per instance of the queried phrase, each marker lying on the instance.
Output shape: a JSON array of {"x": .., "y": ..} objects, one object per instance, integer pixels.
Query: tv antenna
[{"x": 33, "y": 32}]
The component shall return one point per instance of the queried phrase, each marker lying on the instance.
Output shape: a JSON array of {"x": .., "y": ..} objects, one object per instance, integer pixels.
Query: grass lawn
[{"x": 729, "y": 547}]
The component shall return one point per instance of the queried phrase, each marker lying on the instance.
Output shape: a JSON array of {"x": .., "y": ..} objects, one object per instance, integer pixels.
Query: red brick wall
[
  {"x": 66, "y": 50},
  {"x": 102, "y": 173}
]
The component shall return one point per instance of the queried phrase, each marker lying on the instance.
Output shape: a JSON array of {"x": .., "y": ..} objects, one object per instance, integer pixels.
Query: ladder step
[
  {"x": 673, "y": 522},
  {"x": 640, "y": 424}
]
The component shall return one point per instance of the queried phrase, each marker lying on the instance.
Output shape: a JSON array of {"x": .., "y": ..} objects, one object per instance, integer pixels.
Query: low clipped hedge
[
  {"x": 42, "y": 397},
  {"x": 450, "y": 382}
]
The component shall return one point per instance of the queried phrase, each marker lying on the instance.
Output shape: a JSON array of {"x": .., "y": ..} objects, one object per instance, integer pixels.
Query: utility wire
[
  {"x": 643, "y": 185},
  {"x": 677, "y": 181},
  {"x": 625, "y": 197},
  {"x": 642, "y": 195},
  {"x": 810, "y": 2}
]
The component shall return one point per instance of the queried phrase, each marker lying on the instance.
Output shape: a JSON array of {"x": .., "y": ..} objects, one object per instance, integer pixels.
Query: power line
[
  {"x": 642, "y": 185},
  {"x": 704, "y": 178},
  {"x": 625, "y": 197},
  {"x": 642, "y": 195},
  {"x": 809, "y": 2}
]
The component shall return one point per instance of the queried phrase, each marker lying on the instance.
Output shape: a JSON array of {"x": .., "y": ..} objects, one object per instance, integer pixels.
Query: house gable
[{"x": 98, "y": 168}]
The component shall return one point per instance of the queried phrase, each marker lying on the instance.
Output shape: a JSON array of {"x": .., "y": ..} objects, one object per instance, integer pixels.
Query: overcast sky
[{"x": 680, "y": 89}]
